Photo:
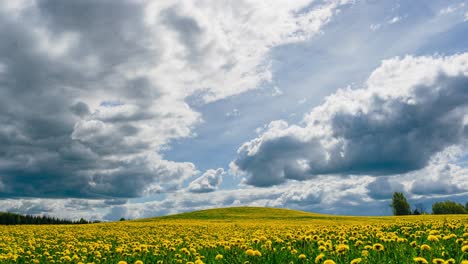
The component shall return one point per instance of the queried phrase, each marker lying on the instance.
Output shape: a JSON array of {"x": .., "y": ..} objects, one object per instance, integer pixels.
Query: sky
[{"x": 138, "y": 108}]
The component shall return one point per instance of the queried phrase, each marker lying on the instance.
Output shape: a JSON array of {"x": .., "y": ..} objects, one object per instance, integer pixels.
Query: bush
[{"x": 448, "y": 207}]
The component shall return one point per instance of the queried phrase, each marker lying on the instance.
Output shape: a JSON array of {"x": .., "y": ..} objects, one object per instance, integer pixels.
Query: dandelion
[
  {"x": 438, "y": 261},
  {"x": 450, "y": 261},
  {"x": 378, "y": 247},
  {"x": 432, "y": 238},
  {"x": 329, "y": 261},
  {"x": 138, "y": 262},
  {"x": 219, "y": 257},
  {"x": 425, "y": 247},
  {"x": 356, "y": 261},
  {"x": 464, "y": 249},
  {"x": 302, "y": 256},
  {"x": 319, "y": 258},
  {"x": 420, "y": 260},
  {"x": 341, "y": 249},
  {"x": 122, "y": 262}
]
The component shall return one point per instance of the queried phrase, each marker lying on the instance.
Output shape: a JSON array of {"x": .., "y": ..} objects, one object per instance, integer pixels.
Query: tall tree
[{"x": 400, "y": 205}]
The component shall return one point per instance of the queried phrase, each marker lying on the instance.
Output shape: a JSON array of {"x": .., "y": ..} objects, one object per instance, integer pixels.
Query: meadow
[{"x": 243, "y": 235}]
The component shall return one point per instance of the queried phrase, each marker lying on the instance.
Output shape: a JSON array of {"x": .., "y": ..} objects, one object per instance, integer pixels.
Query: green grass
[
  {"x": 258, "y": 213},
  {"x": 250, "y": 213}
]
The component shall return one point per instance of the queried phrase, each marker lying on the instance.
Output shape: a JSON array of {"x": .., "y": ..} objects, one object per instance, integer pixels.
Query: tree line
[
  {"x": 400, "y": 206},
  {"x": 18, "y": 219}
]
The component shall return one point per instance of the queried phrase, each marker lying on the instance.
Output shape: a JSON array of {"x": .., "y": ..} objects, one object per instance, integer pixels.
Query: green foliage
[
  {"x": 400, "y": 205},
  {"x": 448, "y": 207},
  {"x": 17, "y": 219}
]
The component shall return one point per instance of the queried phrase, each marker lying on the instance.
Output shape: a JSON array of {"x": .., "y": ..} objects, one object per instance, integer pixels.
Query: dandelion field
[{"x": 243, "y": 235}]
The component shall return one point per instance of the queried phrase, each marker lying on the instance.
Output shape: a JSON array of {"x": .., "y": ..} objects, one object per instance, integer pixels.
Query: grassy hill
[{"x": 248, "y": 213}]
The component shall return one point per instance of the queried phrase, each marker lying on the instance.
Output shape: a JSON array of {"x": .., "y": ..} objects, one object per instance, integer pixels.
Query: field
[{"x": 243, "y": 235}]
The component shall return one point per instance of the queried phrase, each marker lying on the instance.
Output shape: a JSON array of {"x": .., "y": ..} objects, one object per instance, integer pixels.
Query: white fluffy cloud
[
  {"x": 409, "y": 110},
  {"x": 207, "y": 182}
]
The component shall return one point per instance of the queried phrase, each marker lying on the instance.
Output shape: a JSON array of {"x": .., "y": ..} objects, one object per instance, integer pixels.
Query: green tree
[
  {"x": 448, "y": 207},
  {"x": 400, "y": 205}
]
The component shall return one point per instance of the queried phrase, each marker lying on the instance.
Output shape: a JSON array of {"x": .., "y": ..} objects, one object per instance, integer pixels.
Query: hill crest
[{"x": 237, "y": 213}]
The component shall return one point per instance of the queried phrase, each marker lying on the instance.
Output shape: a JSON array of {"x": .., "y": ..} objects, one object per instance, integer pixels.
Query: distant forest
[{"x": 17, "y": 219}]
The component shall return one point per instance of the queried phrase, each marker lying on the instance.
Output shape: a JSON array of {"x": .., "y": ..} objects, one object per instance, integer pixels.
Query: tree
[
  {"x": 466, "y": 207},
  {"x": 421, "y": 208},
  {"x": 400, "y": 205},
  {"x": 448, "y": 207}
]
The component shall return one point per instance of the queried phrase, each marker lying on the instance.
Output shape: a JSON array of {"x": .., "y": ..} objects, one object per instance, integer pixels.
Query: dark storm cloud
[
  {"x": 51, "y": 143},
  {"x": 369, "y": 131},
  {"x": 383, "y": 188}
]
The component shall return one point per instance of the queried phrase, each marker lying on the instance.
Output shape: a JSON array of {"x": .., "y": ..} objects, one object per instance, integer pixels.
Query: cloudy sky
[{"x": 140, "y": 108}]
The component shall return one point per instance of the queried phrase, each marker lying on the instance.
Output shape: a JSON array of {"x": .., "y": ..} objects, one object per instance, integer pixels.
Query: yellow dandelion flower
[
  {"x": 356, "y": 261},
  {"x": 450, "y": 261},
  {"x": 432, "y": 238},
  {"x": 464, "y": 249},
  {"x": 364, "y": 253},
  {"x": 378, "y": 247},
  {"x": 122, "y": 262},
  {"x": 219, "y": 257},
  {"x": 257, "y": 253},
  {"x": 425, "y": 247},
  {"x": 302, "y": 256},
  {"x": 329, "y": 261},
  {"x": 438, "y": 261},
  {"x": 319, "y": 258},
  {"x": 249, "y": 252},
  {"x": 341, "y": 249},
  {"x": 420, "y": 260}
]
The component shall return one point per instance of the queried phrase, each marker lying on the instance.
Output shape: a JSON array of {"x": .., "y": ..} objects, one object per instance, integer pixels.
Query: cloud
[
  {"x": 276, "y": 91},
  {"x": 92, "y": 91},
  {"x": 394, "y": 20},
  {"x": 442, "y": 176},
  {"x": 207, "y": 182},
  {"x": 384, "y": 187},
  {"x": 409, "y": 110}
]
